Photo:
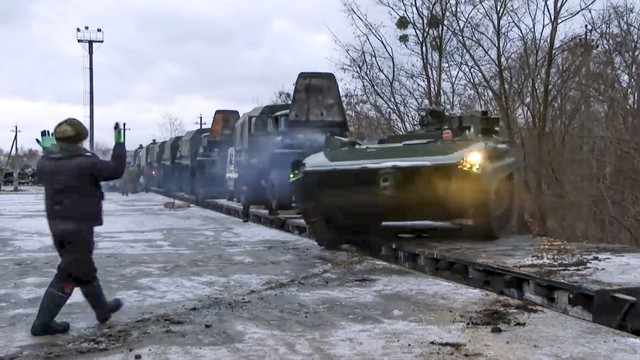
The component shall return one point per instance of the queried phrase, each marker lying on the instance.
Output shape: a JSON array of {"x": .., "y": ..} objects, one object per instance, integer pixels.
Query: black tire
[
  {"x": 495, "y": 218},
  {"x": 282, "y": 193},
  {"x": 324, "y": 233}
]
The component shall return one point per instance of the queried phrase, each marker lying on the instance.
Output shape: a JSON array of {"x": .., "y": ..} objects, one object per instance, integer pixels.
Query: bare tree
[
  {"x": 171, "y": 126},
  {"x": 281, "y": 97}
]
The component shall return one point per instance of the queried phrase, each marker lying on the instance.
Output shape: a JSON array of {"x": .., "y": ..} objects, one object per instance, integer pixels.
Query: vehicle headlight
[
  {"x": 296, "y": 169},
  {"x": 473, "y": 158},
  {"x": 472, "y": 161}
]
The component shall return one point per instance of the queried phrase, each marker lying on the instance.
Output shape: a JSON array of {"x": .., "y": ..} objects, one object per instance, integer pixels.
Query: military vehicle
[
  {"x": 253, "y": 138},
  {"x": 350, "y": 189},
  {"x": 151, "y": 171},
  {"x": 211, "y": 160},
  {"x": 168, "y": 172},
  {"x": 185, "y": 163},
  {"x": 316, "y": 110}
]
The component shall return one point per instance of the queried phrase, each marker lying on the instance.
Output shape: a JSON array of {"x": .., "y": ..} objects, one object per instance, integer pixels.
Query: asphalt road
[{"x": 197, "y": 284}]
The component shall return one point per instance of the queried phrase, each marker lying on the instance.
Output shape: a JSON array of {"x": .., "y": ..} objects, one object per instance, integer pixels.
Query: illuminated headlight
[
  {"x": 153, "y": 172},
  {"x": 296, "y": 170},
  {"x": 472, "y": 161},
  {"x": 422, "y": 112}
]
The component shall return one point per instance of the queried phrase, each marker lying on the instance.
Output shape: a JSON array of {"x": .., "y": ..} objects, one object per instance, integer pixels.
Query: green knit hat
[{"x": 70, "y": 131}]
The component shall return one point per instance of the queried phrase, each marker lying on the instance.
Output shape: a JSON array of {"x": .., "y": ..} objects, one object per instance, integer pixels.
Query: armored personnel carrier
[{"x": 454, "y": 167}]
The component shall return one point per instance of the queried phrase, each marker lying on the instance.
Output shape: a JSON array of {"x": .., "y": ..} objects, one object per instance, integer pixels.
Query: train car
[
  {"x": 185, "y": 162},
  {"x": 152, "y": 171},
  {"x": 254, "y": 137},
  {"x": 211, "y": 160},
  {"x": 168, "y": 171}
]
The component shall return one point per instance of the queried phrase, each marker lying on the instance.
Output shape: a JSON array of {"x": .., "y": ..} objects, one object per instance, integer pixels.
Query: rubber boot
[
  {"x": 50, "y": 306},
  {"x": 103, "y": 308}
]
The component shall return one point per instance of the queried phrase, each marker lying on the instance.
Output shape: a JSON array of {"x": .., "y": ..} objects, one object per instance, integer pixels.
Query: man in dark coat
[
  {"x": 71, "y": 176},
  {"x": 254, "y": 179}
]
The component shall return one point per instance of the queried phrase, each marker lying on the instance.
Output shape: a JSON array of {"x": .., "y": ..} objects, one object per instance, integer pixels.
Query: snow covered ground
[{"x": 197, "y": 284}]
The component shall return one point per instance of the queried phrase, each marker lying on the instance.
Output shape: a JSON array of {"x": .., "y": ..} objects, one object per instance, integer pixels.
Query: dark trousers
[{"x": 74, "y": 243}]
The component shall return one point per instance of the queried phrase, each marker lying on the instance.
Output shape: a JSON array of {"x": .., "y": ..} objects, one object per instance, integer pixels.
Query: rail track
[{"x": 502, "y": 267}]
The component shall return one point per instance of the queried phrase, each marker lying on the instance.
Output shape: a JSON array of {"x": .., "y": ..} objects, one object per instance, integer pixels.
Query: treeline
[
  {"x": 26, "y": 157},
  {"x": 565, "y": 80}
]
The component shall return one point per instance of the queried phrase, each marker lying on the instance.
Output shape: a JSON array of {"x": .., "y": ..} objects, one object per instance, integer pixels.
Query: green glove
[
  {"x": 117, "y": 133},
  {"x": 46, "y": 139}
]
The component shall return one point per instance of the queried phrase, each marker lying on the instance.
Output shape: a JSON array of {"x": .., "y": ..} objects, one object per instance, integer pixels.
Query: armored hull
[{"x": 355, "y": 188}]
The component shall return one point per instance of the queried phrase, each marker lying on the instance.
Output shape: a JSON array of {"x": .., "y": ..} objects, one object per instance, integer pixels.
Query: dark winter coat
[{"x": 71, "y": 177}]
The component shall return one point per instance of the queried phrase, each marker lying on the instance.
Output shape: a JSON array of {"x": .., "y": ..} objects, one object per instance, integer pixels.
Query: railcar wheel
[{"x": 494, "y": 220}]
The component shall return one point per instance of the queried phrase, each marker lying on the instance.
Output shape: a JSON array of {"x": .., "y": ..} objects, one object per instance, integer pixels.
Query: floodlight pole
[{"x": 89, "y": 37}]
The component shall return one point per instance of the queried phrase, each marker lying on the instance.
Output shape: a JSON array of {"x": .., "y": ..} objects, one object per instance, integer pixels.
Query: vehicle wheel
[
  {"x": 495, "y": 218},
  {"x": 284, "y": 199},
  {"x": 324, "y": 232}
]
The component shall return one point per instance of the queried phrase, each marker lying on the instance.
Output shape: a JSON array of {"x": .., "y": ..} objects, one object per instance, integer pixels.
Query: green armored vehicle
[{"x": 455, "y": 167}]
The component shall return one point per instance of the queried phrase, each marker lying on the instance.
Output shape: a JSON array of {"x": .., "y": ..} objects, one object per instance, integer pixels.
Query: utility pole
[
  {"x": 124, "y": 133},
  {"x": 14, "y": 145},
  {"x": 90, "y": 37},
  {"x": 200, "y": 122}
]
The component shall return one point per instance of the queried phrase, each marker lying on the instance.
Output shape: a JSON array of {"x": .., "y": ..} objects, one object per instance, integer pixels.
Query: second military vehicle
[
  {"x": 253, "y": 138},
  {"x": 316, "y": 110}
]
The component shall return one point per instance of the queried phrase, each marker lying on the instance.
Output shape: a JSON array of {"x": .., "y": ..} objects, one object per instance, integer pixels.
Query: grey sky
[{"x": 187, "y": 57}]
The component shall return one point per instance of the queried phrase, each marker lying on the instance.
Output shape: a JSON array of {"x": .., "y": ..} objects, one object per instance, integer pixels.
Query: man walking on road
[{"x": 71, "y": 177}]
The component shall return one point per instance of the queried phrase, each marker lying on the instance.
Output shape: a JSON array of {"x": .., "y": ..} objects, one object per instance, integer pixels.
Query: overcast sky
[{"x": 187, "y": 57}]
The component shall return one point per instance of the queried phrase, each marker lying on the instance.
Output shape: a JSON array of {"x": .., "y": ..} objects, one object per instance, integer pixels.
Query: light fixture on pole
[{"x": 86, "y": 36}]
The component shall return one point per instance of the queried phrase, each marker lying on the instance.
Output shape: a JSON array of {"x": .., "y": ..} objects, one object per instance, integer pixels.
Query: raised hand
[
  {"x": 46, "y": 140},
  {"x": 117, "y": 133}
]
